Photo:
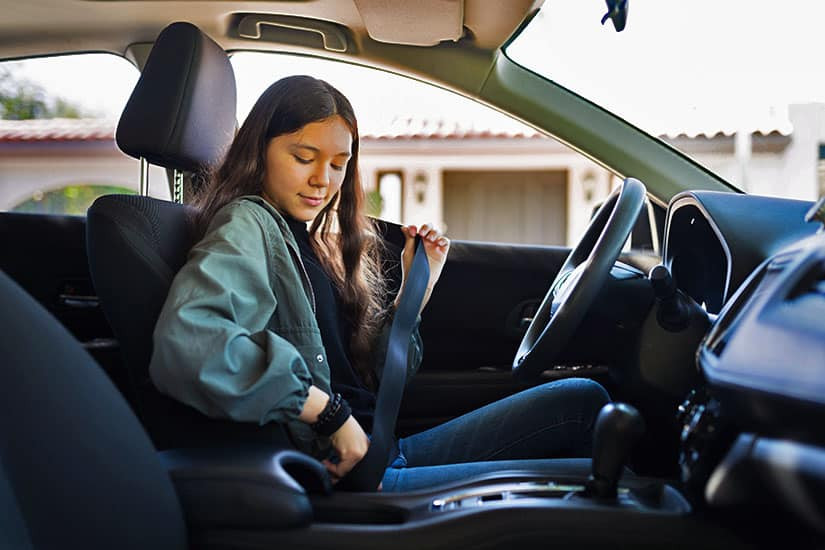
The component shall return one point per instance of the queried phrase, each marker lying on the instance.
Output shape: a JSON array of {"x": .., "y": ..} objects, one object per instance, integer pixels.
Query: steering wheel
[{"x": 579, "y": 281}]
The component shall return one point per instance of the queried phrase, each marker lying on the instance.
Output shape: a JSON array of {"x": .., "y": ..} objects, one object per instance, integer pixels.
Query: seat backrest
[
  {"x": 76, "y": 468},
  {"x": 135, "y": 246},
  {"x": 181, "y": 116}
]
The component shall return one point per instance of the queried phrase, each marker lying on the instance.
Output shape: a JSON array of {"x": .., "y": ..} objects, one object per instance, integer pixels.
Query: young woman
[{"x": 271, "y": 321}]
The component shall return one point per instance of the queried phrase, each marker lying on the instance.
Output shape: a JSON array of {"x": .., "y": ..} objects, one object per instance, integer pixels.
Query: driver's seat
[{"x": 181, "y": 115}]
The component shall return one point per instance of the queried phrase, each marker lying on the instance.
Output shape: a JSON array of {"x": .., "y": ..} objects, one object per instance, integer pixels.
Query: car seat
[
  {"x": 76, "y": 468},
  {"x": 181, "y": 115}
]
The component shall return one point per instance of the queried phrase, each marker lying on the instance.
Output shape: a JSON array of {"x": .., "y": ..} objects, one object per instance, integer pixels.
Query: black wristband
[{"x": 336, "y": 412}]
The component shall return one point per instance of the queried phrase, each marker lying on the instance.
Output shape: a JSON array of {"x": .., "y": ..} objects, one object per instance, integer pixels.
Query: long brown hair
[{"x": 352, "y": 257}]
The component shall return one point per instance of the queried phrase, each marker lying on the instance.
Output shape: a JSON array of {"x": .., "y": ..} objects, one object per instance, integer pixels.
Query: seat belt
[{"x": 367, "y": 474}]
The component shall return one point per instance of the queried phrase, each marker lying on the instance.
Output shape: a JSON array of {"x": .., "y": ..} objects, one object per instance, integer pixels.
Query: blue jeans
[{"x": 526, "y": 429}]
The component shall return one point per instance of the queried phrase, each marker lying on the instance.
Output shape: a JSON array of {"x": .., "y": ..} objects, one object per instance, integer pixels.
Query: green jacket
[{"x": 237, "y": 337}]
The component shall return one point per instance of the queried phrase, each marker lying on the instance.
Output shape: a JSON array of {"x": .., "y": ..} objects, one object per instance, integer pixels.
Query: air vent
[
  {"x": 812, "y": 284},
  {"x": 719, "y": 347},
  {"x": 781, "y": 261},
  {"x": 819, "y": 286},
  {"x": 722, "y": 330}
]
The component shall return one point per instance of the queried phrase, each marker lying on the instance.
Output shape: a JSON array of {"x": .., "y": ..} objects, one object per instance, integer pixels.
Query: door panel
[
  {"x": 471, "y": 328},
  {"x": 46, "y": 255},
  {"x": 468, "y": 323}
]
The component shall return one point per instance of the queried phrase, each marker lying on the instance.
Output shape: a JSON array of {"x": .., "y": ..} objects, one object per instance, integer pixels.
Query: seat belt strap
[{"x": 367, "y": 474}]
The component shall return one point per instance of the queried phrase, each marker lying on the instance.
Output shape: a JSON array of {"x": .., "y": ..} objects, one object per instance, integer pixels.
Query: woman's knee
[
  {"x": 592, "y": 391},
  {"x": 584, "y": 394}
]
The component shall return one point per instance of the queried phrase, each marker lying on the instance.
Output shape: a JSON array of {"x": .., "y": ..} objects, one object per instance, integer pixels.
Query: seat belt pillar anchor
[
  {"x": 144, "y": 177},
  {"x": 177, "y": 186}
]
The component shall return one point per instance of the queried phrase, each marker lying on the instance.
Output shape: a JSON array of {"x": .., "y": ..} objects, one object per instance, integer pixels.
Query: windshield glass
[{"x": 737, "y": 85}]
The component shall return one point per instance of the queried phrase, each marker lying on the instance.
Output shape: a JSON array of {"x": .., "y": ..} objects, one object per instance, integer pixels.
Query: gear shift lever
[{"x": 618, "y": 427}]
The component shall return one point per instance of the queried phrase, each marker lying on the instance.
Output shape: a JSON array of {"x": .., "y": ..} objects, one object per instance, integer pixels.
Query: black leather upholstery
[
  {"x": 76, "y": 468},
  {"x": 181, "y": 113}
]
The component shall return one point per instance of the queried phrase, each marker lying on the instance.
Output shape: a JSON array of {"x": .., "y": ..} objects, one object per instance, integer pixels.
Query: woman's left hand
[{"x": 436, "y": 245}]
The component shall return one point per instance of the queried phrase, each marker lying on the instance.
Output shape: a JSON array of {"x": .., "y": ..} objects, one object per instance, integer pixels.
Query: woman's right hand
[{"x": 351, "y": 444}]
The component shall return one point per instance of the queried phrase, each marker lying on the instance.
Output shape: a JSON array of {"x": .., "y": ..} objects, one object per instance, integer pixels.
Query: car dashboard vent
[
  {"x": 760, "y": 280},
  {"x": 811, "y": 285}
]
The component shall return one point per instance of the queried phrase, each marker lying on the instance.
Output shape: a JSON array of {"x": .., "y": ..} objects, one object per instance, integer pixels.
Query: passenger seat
[{"x": 76, "y": 468}]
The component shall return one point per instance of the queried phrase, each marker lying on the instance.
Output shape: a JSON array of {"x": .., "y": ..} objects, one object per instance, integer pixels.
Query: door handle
[
  {"x": 521, "y": 316},
  {"x": 100, "y": 344},
  {"x": 76, "y": 301}
]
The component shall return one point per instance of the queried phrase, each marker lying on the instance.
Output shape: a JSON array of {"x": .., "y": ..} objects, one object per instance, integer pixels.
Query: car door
[
  {"x": 472, "y": 326},
  {"x": 57, "y": 154}
]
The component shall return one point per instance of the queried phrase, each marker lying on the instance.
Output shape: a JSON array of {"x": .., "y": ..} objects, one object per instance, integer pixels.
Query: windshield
[{"x": 737, "y": 85}]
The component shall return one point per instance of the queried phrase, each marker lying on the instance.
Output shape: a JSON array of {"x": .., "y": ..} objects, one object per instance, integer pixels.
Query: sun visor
[{"x": 419, "y": 23}]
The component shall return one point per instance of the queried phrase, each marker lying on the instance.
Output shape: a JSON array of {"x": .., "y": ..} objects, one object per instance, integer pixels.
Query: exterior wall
[
  {"x": 790, "y": 172},
  {"x": 24, "y": 172},
  {"x": 764, "y": 173},
  {"x": 587, "y": 182},
  {"x": 782, "y": 166},
  {"x": 528, "y": 207},
  {"x": 799, "y": 164}
]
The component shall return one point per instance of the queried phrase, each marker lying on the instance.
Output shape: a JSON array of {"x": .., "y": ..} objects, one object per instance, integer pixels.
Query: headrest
[{"x": 181, "y": 113}]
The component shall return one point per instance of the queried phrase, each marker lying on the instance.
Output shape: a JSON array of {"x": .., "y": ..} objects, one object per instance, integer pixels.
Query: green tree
[
  {"x": 72, "y": 199},
  {"x": 21, "y": 99},
  {"x": 375, "y": 203}
]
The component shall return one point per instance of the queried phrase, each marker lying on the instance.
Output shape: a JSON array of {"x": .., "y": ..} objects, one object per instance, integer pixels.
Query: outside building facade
[{"x": 480, "y": 184}]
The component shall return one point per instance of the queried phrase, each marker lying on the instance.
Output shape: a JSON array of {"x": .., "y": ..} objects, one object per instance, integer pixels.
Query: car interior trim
[{"x": 688, "y": 199}]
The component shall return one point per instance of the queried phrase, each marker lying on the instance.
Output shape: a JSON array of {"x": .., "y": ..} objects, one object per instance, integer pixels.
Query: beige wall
[
  {"x": 23, "y": 174},
  {"x": 587, "y": 183},
  {"x": 515, "y": 206}
]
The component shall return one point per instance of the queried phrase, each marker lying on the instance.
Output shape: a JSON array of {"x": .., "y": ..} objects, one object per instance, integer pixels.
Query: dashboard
[
  {"x": 714, "y": 241},
  {"x": 751, "y": 428},
  {"x": 699, "y": 258}
]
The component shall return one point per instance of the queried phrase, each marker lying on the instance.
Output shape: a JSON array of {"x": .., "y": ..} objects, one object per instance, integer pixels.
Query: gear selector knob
[{"x": 618, "y": 427}]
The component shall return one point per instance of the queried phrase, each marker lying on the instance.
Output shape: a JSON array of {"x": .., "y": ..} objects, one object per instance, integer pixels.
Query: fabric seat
[
  {"x": 76, "y": 468},
  {"x": 181, "y": 116}
]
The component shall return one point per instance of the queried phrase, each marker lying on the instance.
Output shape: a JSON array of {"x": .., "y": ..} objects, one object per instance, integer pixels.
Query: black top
[{"x": 336, "y": 332}]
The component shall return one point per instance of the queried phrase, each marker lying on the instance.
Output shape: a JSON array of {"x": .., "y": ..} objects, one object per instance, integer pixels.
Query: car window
[
  {"x": 57, "y": 123},
  {"x": 429, "y": 155},
  {"x": 749, "y": 111}
]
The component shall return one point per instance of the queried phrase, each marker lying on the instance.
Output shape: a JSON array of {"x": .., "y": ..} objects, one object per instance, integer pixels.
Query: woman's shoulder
[
  {"x": 243, "y": 212},
  {"x": 246, "y": 207},
  {"x": 247, "y": 223}
]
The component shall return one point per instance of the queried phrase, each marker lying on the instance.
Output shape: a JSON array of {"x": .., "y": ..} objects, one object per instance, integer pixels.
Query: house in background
[
  {"x": 43, "y": 156},
  {"x": 508, "y": 184}
]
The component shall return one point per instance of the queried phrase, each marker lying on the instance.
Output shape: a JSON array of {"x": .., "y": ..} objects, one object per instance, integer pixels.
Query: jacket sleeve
[
  {"x": 415, "y": 352},
  {"x": 212, "y": 349}
]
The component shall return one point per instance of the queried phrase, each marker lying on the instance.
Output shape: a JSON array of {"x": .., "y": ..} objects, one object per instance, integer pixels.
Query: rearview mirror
[{"x": 616, "y": 12}]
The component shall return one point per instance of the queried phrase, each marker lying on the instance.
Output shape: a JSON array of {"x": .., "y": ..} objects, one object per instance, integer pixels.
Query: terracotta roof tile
[
  {"x": 57, "y": 129},
  {"x": 399, "y": 128}
]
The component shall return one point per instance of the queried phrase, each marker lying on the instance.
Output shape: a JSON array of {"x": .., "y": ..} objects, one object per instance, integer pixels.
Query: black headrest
[{"x": 182, "y": 111}]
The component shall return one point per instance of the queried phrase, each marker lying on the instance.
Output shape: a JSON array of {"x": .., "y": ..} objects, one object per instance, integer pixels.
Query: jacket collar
[{"x": 277, "y": 216}]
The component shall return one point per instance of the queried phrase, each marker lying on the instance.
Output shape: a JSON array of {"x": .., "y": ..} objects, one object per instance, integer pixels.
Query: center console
[{"x": 284, "y": 499}]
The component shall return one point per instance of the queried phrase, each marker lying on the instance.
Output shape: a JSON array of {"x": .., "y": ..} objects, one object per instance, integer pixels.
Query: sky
[
  {"x": 684, "y": 64},
  {"x": 679, "y": 66}
]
